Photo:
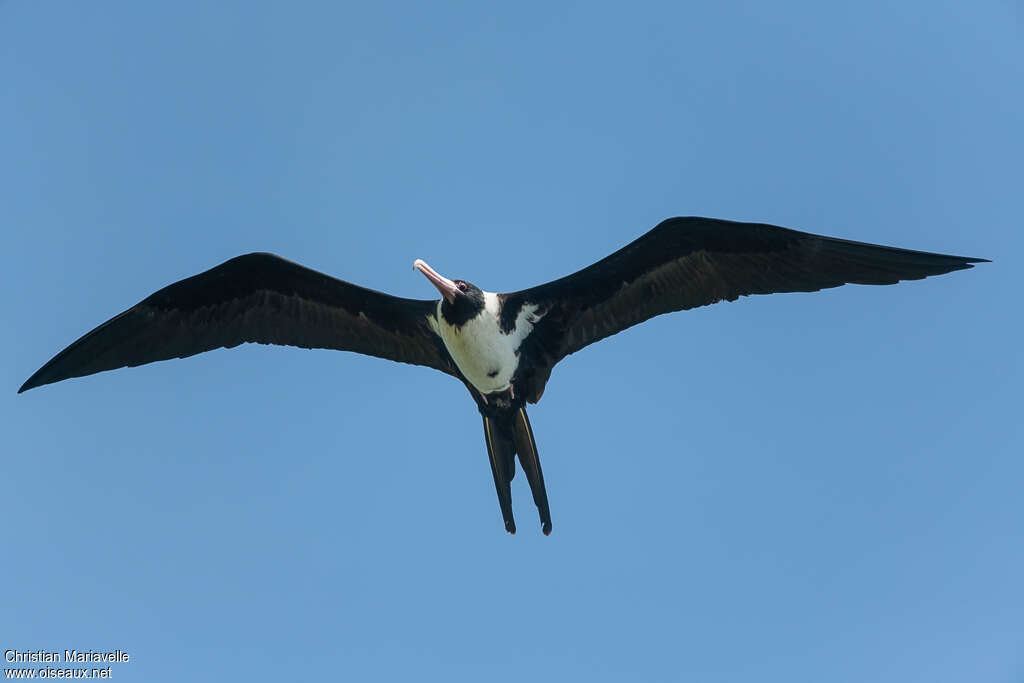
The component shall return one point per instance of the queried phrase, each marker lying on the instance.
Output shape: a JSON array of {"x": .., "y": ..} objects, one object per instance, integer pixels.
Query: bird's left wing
[
  {"x": 254, "y": 298},
  {"x": 689, "y": 262}
]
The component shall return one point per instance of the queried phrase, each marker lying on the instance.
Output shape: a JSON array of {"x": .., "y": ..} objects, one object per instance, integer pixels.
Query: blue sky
[{"x": 786, "y": 488}]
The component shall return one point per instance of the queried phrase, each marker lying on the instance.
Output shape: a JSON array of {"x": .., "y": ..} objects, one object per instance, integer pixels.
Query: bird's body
[
  {"x": 501, "y": 346},
  {"x": 484, "y": 353}
]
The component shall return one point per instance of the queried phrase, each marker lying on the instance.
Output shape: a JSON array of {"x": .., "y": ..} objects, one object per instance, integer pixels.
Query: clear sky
[{"x": 805, "y": 487}]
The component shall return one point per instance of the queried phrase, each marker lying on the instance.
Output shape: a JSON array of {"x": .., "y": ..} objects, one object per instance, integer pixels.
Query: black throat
[{"x": 467, "y": 305}]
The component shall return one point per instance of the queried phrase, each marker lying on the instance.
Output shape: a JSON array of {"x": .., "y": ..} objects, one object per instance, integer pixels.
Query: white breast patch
[{"x": 480, "y": 349}]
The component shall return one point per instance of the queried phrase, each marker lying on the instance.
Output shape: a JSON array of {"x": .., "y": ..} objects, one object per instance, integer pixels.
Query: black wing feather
[
  {"x": 254, "y": 298},
  {"x": 691, "y": 261}
]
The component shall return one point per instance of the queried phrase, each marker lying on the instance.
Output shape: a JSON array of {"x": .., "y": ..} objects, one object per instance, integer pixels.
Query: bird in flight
[{"x": 502, "y": 347}]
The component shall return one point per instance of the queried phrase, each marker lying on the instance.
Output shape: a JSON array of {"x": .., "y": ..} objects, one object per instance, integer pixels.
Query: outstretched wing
[
  {"x": 689, "y": 262},
  {"x": 254, "y": 298}
]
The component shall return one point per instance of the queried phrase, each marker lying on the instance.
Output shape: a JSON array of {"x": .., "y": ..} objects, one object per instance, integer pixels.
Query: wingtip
[
  {"x": 510, "y": 527},
  {"x": 967, "y": 261},
  {"x": 546, "y": 528},
  {"x": 37, "y": 379}
]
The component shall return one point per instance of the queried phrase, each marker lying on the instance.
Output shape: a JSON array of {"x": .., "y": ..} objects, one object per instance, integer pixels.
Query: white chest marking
[{"x": 484, "y": 354}]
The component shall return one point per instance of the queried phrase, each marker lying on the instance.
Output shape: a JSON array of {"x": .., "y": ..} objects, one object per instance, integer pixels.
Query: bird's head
[{"x": 462, "y": 300}]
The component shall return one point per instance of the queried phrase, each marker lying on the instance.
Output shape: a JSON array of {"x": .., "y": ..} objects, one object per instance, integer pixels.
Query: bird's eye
[{"x": 461, "y": 286}]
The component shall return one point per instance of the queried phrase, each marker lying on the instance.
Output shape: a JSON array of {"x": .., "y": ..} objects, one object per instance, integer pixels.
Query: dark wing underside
[
  {"x": 254, "y": 298},
  {"x": 689, "y": 262}
]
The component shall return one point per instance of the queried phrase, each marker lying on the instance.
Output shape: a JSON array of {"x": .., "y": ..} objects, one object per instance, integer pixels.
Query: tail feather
[
  {"x": 508, "y": 435},
  {"x": 526, "y": 446},
  {"x": 501, "y": 450}
]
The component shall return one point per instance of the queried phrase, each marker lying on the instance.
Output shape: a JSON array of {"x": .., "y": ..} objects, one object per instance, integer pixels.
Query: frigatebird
[{"x": 501, "y": 346}]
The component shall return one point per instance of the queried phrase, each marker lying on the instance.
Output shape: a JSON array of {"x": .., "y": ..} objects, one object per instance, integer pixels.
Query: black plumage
[
  {"x": 682, "y": 263},
  {"x": 688, "y": 262},
  {"x": 254, "y": 298}
]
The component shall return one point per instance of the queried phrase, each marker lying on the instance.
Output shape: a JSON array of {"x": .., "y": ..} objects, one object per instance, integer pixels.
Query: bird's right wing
[{"x": 255, "y": 298}]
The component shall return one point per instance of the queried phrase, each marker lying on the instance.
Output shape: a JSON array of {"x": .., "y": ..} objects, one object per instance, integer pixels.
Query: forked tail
[{"x": 507, "y": 436}]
